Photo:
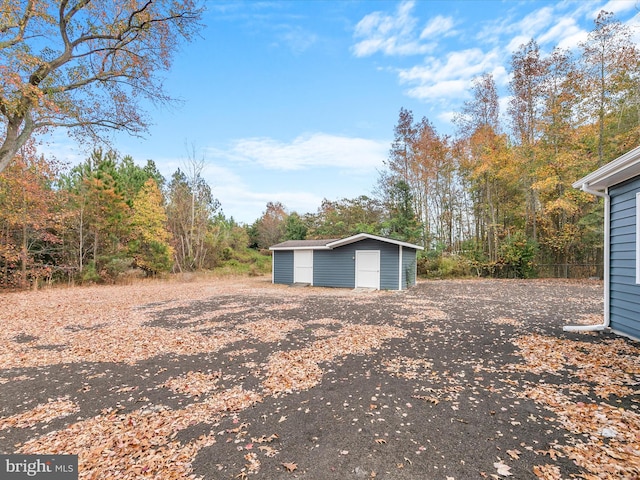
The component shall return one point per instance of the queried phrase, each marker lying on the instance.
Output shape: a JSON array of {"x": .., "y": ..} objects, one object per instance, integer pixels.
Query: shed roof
[
  {"x": 329, "y": 244},
  {"x": 302, "y": 244},
  {"x": 619, "y": 170}
]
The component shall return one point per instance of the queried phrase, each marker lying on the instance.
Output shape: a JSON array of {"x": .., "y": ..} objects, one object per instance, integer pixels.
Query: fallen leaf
[
  {"x": 515, "y": 454},
  {"x": 431, "y": 399},
  {"x": 268, "y": 451},
  {"x": 547, "y": 472},
  {"x": 289, "y": 466},
  {"x": 503, "y": 470}
]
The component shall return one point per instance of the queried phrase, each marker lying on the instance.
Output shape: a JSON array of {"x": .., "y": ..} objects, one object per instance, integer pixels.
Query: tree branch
[{"x": 21, "y": 26}]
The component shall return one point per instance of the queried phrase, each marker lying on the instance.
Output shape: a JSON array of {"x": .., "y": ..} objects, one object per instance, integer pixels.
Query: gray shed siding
[
  {"x": 283, "y": 266},
  {"x": 409, "y": 267},
  {"x": 624, "y": 293},
  {"x": 337, "y": 267}
]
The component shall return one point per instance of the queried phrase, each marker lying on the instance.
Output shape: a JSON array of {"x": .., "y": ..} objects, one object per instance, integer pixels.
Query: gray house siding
[
  {"x": 624, "y": 293},
  {"x": 337, "y": 267},
  {"x": 283, "y": 266}
]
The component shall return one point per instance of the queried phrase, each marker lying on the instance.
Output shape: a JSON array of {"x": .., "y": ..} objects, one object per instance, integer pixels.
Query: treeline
[
  {"x": 107, "y": 217},
  {"x": 499, "y": 193},
  {"x": 392, "y": 217},
  {"x": 496, "y": 197},
  {"x": 493, "y": 199}
]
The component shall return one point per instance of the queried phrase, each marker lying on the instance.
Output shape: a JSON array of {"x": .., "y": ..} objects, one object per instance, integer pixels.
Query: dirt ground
[{"x": 239, "y": 378}]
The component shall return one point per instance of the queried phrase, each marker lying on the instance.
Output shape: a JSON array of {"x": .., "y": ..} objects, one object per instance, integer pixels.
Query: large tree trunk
[{"x": 15, "y": 139}]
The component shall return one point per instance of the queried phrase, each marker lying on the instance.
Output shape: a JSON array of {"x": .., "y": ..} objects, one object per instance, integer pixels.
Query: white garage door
[
  {"x": 368, "y": 269},
  {"x": 303, "y": 266}
]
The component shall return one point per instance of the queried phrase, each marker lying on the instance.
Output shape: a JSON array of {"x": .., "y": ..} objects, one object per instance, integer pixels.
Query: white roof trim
[
  {"x": 619, "y": 170},
  {"x": 362, "y": 236},
  {"x": 317, "y": 247}
]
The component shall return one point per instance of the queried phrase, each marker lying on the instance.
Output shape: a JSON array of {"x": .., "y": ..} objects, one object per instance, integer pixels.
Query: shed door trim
[
  {"x": 368, "y": 269},
  {"x": 303, "y": 266}
]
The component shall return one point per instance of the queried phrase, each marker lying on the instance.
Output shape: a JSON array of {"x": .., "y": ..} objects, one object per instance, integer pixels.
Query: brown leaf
[
  {"x": 290, "y": 466},
  {"x": 515, "y": 454},
  {"x": 268, "y": 451}
]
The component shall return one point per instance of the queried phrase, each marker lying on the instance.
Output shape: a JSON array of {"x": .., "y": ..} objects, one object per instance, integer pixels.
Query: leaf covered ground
[{"x": 244, "y": 379}]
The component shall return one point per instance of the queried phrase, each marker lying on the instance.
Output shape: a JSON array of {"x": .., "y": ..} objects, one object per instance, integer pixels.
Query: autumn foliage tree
[
  {"x": 30, "y": 220},
  {"x": 150, "y": 240},
  {"x": 191, "y": 209},
  {"x": 608, "y": 63},
  {"x": 500, "y": 193},
  {"x": 84, "y": 64},
  {"x": 271, "y": 227}
]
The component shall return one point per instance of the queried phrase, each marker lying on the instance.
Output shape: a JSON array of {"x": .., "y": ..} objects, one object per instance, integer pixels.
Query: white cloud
[
  {"x": 440, "y": 90},
  {"x": 244, "y": 197},
  {"x": 437, "y": 79},
  {"x": 219, "y": 177},
  {"x": 500, "y": 75},
  {"x": 615, "y": 6},
  {"x": 245, "y": 205},
  {"x": 310, "y": 151},
  {"x": 298, "y": 173},
  {"x": 563, "y": 29},
  {"x": 516, "y": 42},
  {"x": 531, "y": 25},
  {"x": 570, "y": 42},
  {"x": 447, "y": 117},
  {"x": 634, "y": 24},
  {"x": 390, "y": 34},
  {"x": 552, "y": 25},
  {"x": 438, "y": 26}
]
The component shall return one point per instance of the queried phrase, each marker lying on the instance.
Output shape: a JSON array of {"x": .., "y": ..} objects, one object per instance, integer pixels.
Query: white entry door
[
  {"x": 303, "y": 266},
  {"x": 368, "y": 269}
]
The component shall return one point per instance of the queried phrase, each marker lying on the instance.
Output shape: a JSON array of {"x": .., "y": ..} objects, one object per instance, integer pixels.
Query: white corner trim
[{"x": 400, "y": 268}]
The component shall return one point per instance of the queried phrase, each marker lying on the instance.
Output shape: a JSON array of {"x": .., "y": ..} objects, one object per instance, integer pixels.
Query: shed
[
  {"x": 618, "y": 182},
  {"x": 358, "y": 261}
]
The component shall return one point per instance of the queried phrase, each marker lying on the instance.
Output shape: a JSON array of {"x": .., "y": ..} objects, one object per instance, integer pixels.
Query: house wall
[
  {"x": 283, "y": 266},
  {"x": 624, "y": 292}
]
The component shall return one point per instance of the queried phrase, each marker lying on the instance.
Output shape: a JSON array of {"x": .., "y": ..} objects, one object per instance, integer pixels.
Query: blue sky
[{"x": 295, "y": 101}]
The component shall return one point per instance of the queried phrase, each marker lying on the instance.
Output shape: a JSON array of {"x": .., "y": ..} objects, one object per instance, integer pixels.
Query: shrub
[
  {"x": 443, "y": 266},
  {"x": 90, "y": 274},
  {"x": 517, "y": 253}
]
